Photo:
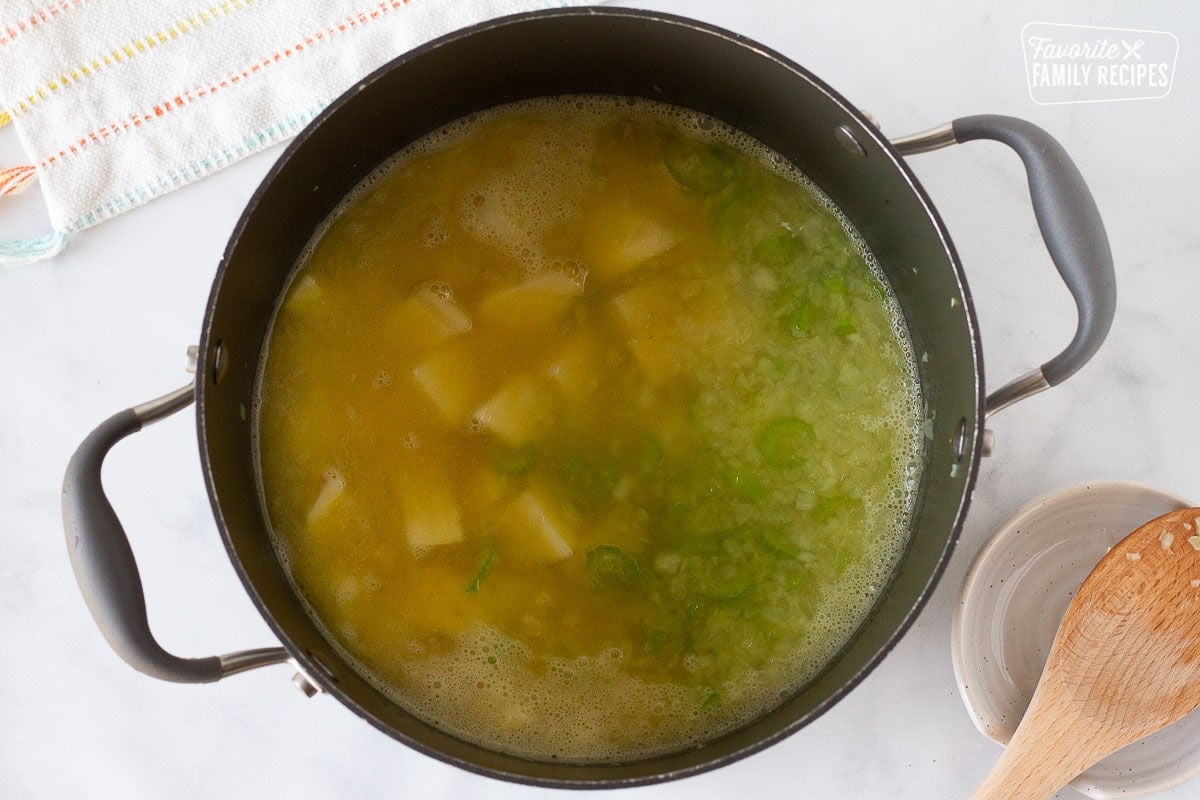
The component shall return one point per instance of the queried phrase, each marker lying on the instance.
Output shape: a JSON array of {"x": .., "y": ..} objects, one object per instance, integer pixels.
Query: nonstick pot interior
[{"x": 612, "y": 51}]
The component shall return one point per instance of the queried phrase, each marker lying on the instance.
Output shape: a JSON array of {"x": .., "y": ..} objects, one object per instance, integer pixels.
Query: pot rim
[{"x": 971, "y": 460}]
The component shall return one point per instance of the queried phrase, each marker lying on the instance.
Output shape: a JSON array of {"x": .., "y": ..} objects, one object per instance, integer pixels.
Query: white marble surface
[{"x": 105, "y": 325}]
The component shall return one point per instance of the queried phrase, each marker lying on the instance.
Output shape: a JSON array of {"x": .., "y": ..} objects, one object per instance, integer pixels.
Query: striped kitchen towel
[{"x": 119, "y": 101}]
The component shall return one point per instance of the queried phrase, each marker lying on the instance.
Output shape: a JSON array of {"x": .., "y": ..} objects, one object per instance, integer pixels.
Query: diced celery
[
  {"x": 611, "y": 567},
  {"x": 730, "y": 590},
  {"x": 834, "y": 284},
  {"x": 667, "y": 563},
  {"x": 701, "y": 544},
  {"x": 835, "y": 505},
  {"x": 844, "y": 325},
  {"x": 745, "y": 485},
  {"x": 711, "y": 699},
  {"x": 695, "y": 616},
  {"x": 731, "y": 213},
  {"x": 488, "y": 557},
  {"x": 802, "y": 318},
  {"x": 824, "y": 235},
  {"x": 663, "y": 636},
  {"x": 776, "y": 251},
  {"x": 704, "y": 167},
  {"x": 785, "y": 442},
  {"x": 650, "y": 454},
  {"x": 775, "y": 541},
  {"x": 836, "y": 555}
]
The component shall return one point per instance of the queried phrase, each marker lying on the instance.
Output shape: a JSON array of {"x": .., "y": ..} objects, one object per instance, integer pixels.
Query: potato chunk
[
  {"x": 450, "y": 378},
  {"x": 576, "y": 367},
  {"x": 332, "y": 489},
  {"x": 427, "y": 317},
  {"x": 624, "y": 235},
  {"x": 646, "y": 314},
  {"x": 537, "y": 527},
  {"x": 431, "y": 513},
  {"x": 534, "y": 303},
  {"x": 519, "y": 412}
]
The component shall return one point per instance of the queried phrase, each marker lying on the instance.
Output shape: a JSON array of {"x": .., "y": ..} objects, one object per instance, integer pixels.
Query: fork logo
[
  {"x": 1132, "y": 49},
  {"x": 1085, "y": 64}
]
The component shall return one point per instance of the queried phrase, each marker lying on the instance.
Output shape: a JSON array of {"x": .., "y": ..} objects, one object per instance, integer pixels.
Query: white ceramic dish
[{"x": 1012, "y": 602}]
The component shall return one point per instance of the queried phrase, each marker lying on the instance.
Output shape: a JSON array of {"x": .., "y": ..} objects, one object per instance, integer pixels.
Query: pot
[{"x": 613, "y": 51}]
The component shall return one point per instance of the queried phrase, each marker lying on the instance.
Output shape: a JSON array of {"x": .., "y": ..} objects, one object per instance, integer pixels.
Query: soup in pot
[{"x": 587, "y": 429}]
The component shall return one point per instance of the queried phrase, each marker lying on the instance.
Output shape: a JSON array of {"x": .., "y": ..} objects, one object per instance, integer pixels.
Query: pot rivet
[
  {"x": 959, "y": 443},
  {"x": 848, "y": 140},
  {"x": 322, "y": 667},
  {"x": 193, "y": 355},
  {"x": 989, "y": 440},
  {"x": 306, "y": 687},
  {"x": 220, "y": 361}
]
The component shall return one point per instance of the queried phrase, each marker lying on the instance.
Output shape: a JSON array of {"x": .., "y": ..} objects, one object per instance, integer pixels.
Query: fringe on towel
[
  {"x": 26, "y": 251},
  {"x": 15, "y": 180}
]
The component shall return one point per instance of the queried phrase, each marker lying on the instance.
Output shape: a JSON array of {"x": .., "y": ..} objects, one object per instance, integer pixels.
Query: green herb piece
[
  {"x": 845, "y": 325},
  {"x": 700, "y": 544},
  {"x": 802, "y": 318},
  {"x": 784, "y": 442},
  {"x": 712, "y": 699},
  {"x": 703, "y": 167},
  {"x": 775, "y": 541},
  {"x": 745, "y": 485},
  {"x": 776, "y": 251},
  {"x": 834, "y": 284},
  {"x": 516, "y": 462},
  {"x": 731, "y": 212},
  {"x": 611, "y": 566},
  {"x": 650, "y": 454},
  {"x": 591, "y": 478},
  {"x": 487, "y": 559},
  {"x": 663, "y": 637},
  {"x": 730, "y": 590}
]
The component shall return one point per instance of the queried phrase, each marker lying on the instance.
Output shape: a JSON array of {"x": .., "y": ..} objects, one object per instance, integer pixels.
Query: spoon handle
[
  {"x": 1045, "y": 754},
  {"x": 1018, "y": 776}
]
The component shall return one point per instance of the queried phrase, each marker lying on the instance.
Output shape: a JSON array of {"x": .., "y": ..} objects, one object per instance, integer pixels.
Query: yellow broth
[{"x": 586, "y": 429}]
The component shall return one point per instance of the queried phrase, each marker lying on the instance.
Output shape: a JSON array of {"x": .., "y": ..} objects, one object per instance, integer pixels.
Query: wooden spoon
[{"x": 1125, "y": 662}]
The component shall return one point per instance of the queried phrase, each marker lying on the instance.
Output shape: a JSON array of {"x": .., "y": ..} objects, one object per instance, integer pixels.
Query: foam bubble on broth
[{"x": 489, "y": 685}]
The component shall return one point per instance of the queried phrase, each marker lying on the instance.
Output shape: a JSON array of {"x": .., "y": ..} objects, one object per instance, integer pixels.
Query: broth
[{"x": 588, "y": 429}]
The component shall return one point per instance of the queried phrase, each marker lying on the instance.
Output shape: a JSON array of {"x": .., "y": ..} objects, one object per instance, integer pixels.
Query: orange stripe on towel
[
  {"x": 199, "y": 92},
  {"x": 48, "y": 12},
  {"x": 16, "y": 179},
  {"x": 121, "y": 53}
]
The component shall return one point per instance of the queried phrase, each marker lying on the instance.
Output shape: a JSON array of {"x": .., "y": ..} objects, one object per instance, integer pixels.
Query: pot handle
[
  {"x": 1071, "y": 228},
  {"x": 105, "y": 567}
]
